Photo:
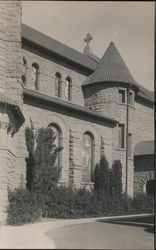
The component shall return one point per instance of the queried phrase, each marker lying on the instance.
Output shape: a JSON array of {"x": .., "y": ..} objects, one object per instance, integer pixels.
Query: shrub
[
  {"x": 30, "y": 140},
  {"x": 61, "y": 203},
  {"x": 23, "y": 207},
  {"x": 116, "y": 179},
  {"x": 45, "y": 198},
  {"x": 141, "y": 203},
  {"x": 41, "y": 169},
  {"x": 101, "y": 176}
]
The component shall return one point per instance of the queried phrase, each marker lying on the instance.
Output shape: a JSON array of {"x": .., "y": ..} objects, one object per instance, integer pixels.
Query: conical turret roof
[{"x": 110, "y": 68}]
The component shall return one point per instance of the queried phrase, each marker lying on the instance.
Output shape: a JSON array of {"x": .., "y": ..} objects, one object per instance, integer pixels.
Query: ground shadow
[{"x": 146, "y": 222}]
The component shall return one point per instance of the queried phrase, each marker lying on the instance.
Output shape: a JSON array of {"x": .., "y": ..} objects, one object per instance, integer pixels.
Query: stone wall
[
  {"x": 143, "y": 171},
  {"x": 47, "y": 70},
  {"x": 73, "y": 127},
  {"x": 10, "y": 86},
  {"x": 140, "y": 180},
  {"x": 13, "y": 56},
  {"x": 144, "y": 122},
  {"x": 104, "y": 98},
  {"x": 7, "y": 158}
]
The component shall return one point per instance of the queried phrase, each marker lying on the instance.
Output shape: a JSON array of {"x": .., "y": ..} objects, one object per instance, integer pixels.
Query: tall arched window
[
  {"x": 68, "y": 89},
  {"x": 58, "y": 142},
  {"x": 87, "y": 157},
  {"x": 24, "y": 72},
  {"x": 58, "y": 84},
  {"x": 35, "y": 76}
]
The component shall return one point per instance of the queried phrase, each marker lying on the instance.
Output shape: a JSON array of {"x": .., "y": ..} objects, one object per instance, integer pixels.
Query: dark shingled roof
[
  {"x": 145, "y": 93},
  {"x": 58, "y": 48},
  {"x": 144, "y": 148},
  {"x": 112, "y": 62},
  {"x": 13, "y": 107},
  {"x": 111, "y": 67}
]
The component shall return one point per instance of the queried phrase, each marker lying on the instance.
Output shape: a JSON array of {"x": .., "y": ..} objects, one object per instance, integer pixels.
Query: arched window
[
  {"x": 35, "y": 76},
  {"x": 24, "y": 72},
  {"x": 57, "y": 142},
  {"x": 87, "y": 157},
  {"x": 68, "y": 89},
  {"x": 58, "y": 84}
]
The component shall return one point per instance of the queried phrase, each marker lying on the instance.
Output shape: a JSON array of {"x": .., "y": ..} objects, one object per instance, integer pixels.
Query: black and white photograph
[{"x": 77, "y": 124}]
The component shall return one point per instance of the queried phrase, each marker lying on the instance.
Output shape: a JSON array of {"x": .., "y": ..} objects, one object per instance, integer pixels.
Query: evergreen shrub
[
  {"x": 101, "y": 176},
  {"x": 23, "y": 207},
  {"x": 115, "y": 177},
  {"x": 141, "y": 203},
  {"x": 45, "y": 198}
]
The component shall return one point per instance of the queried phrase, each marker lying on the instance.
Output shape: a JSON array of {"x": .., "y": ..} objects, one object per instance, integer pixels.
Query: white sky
[{"x": 129, "y": 24}]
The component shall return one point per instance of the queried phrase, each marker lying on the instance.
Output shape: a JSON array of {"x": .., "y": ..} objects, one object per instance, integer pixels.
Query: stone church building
[{"x": 93, "y": 104}]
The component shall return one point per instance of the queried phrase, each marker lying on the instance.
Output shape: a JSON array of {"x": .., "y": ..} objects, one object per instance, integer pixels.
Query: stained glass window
[
  {"x": 24, "y": 72},
  {"x": 35, "y": 76},
  {"x": 129, "y": 145},
  {"x": 58, "y": 83},
  {"x": 121, "y": 136},
  {"x": 57, "y": 142},
  {"x": 87, "y": 157},
  {"x": 68, "y": 89}
]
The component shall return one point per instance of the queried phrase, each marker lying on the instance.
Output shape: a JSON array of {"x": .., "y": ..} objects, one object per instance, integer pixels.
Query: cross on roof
[{"x": 88, "y": 38}]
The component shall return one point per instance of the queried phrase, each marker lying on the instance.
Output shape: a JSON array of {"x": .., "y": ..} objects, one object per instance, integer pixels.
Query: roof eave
[
  {"x": 52, "y": 53},
  {"x": 69, "y": 106},
  {"x": 145, "y": 99},
  {"x": 115, "y": 82}
]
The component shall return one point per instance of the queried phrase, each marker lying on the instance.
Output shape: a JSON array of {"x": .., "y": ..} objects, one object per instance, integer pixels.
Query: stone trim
[
  {"x": 5, "y": 101},
  {"x": 8, "y": 127}
]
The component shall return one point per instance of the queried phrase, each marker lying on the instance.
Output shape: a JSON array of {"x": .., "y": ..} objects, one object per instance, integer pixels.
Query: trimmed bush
[
  {"x": 141, "y": 203},
  {"x": 64, "y": 202},
  {"x": 61, "y": 203},
  {"x": 116, "y": 179},
  {"x": 101, "y": 177},
  {"x": 42, "y": 173},
  {"x": 23, "y": 207},
  {"x": 45, "y": 198}
]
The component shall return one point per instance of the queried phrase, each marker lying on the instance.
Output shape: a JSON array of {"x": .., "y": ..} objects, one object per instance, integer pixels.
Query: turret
[{"x": 111, "y": 90}]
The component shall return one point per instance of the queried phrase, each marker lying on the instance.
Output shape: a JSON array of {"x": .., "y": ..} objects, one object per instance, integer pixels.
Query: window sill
[
  {"x": 131, "y": 106},
  {"x": 125, "y": 104},
  {"x": 130, "y": 158},
  {"x": 87, "y": 183},
  {"x": 122, "y": 103},
  {"x": 121, "y": 149}
]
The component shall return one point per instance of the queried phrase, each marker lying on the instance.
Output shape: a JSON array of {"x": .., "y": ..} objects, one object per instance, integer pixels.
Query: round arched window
[
  {"x": 58, "y": 84},
  {"x": 57, "y": 142},
  {"x": 68, "y": 89},
  {"x": 24, "y": 72},
  {"x": 35, "y": 76},
  {"x": 87, "y": 157}
]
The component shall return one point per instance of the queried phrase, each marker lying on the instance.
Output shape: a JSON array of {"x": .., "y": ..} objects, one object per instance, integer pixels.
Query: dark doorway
[{"x": 150, "y": 187}]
